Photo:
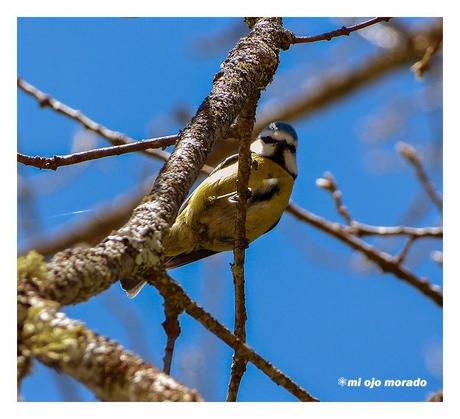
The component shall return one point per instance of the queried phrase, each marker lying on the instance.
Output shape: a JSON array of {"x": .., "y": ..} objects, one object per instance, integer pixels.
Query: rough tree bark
[{"x": 135, "y": 250}]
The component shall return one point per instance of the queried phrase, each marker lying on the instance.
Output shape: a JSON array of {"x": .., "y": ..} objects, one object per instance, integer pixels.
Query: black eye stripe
[{"x": 269, "y": 140}]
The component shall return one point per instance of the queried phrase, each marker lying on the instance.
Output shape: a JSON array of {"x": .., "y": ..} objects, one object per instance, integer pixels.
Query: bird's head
[{"x": 278, "y": 142}]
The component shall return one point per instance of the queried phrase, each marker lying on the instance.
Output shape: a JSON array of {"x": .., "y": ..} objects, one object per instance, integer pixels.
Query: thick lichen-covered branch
[
  {"x": 77, "y": 274},
  {"x": 135, "y": 250},
  {"x": 111, "y": 372}
]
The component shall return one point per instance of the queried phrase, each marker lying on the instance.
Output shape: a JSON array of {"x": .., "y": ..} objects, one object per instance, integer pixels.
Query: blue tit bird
[{"x": 205, "y": 224}]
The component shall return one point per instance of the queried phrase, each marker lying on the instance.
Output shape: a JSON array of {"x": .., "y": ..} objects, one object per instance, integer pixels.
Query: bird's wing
[
  {"x": 227, "y": 162},
  {"x": 185, "y": 258},
  {"x": 132, "y": 287},
  {"x": 273, "y": 226},
  {"x": 268, "y": 189}
]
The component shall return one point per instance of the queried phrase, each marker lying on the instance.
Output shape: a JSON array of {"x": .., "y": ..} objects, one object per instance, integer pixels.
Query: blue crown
[{"x": 283, "y": 126}]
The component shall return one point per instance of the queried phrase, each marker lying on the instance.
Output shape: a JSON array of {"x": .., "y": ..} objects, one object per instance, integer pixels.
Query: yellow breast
[{"x": 208, "y": 221}]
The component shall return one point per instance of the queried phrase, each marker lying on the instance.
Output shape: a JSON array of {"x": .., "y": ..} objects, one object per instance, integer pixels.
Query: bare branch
[
  {"x": 114, "y": 137},
  {"x": 338, "y": 85},
  {"x": 171, "y": 326},
  {"x": 57, "y": 161},
  {"x": 328, "y": 91},
  {"x": 244, "y": 126},
  {"x": 328, "y": 183},
  {"x": 135, "y": 251},
  {"x": 409, "y": 153},
  {"x": 359, "y": 229},
  {"x": 77, "y": 274},
  {"x": 170, "y": 288},
  {"x": 362, "y": 230},
  {"x": 424, "y": 64},
  {"x": 385, "y": 261},
  {"x": 343, "y": 31},
  {"x": 405, "y": 250}
]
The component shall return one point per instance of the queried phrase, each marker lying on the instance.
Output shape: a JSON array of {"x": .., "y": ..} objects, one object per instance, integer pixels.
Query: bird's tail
[
  {"x": 186, "y": 258},
  {"x": 133, "y": 286}
]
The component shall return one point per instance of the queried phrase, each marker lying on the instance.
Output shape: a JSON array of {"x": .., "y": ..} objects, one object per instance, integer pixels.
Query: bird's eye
[
  {"x": 269, "y": 140},
  {"x": 291, "y": 148}
]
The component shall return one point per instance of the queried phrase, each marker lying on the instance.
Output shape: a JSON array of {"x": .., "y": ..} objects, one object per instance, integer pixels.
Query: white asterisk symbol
[{"x": 342, "y": 381}]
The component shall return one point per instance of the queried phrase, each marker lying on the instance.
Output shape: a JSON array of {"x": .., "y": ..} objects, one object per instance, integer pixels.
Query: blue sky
[{"x": 315, "y": 309}]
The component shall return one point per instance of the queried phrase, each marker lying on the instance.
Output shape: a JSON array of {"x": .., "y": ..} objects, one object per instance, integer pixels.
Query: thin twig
[
  {"x": 168, "y": 287},
  {"x": 424, "y": 64},
  {"x": 362, "y": 230},
  {"x": 54, "y": 162},
  {"x": 191, "y": 308},
  {"x": 171, "y": 326},
  {"x": 343, "y": 31},
  {"x": 114, "y": 137},
  {"x": 342, "y": 82},
  {"x": 330, "y": 90},
  {"x": 328, "y": 183},
  {"x": 244, "y": 126},
  {"x": 135, "y": 250},
  {"x": 409, "y": 153},
  {"x": 382, "y": 259},
  {"x": 405, "y": 250}
]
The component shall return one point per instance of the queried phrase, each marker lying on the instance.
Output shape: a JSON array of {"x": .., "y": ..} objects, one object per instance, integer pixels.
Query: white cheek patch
[
  {"x": 290, "y": 162},
  {"x": 270, "y": 149},
  {"x": 263, "y": 149}
]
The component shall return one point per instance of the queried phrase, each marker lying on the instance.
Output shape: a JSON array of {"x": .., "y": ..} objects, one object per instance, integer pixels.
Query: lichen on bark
[
  {"x": 111, "y": 372},
  {"x": 135, "y": 250},
  {"x": 77, "y": 274}
]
